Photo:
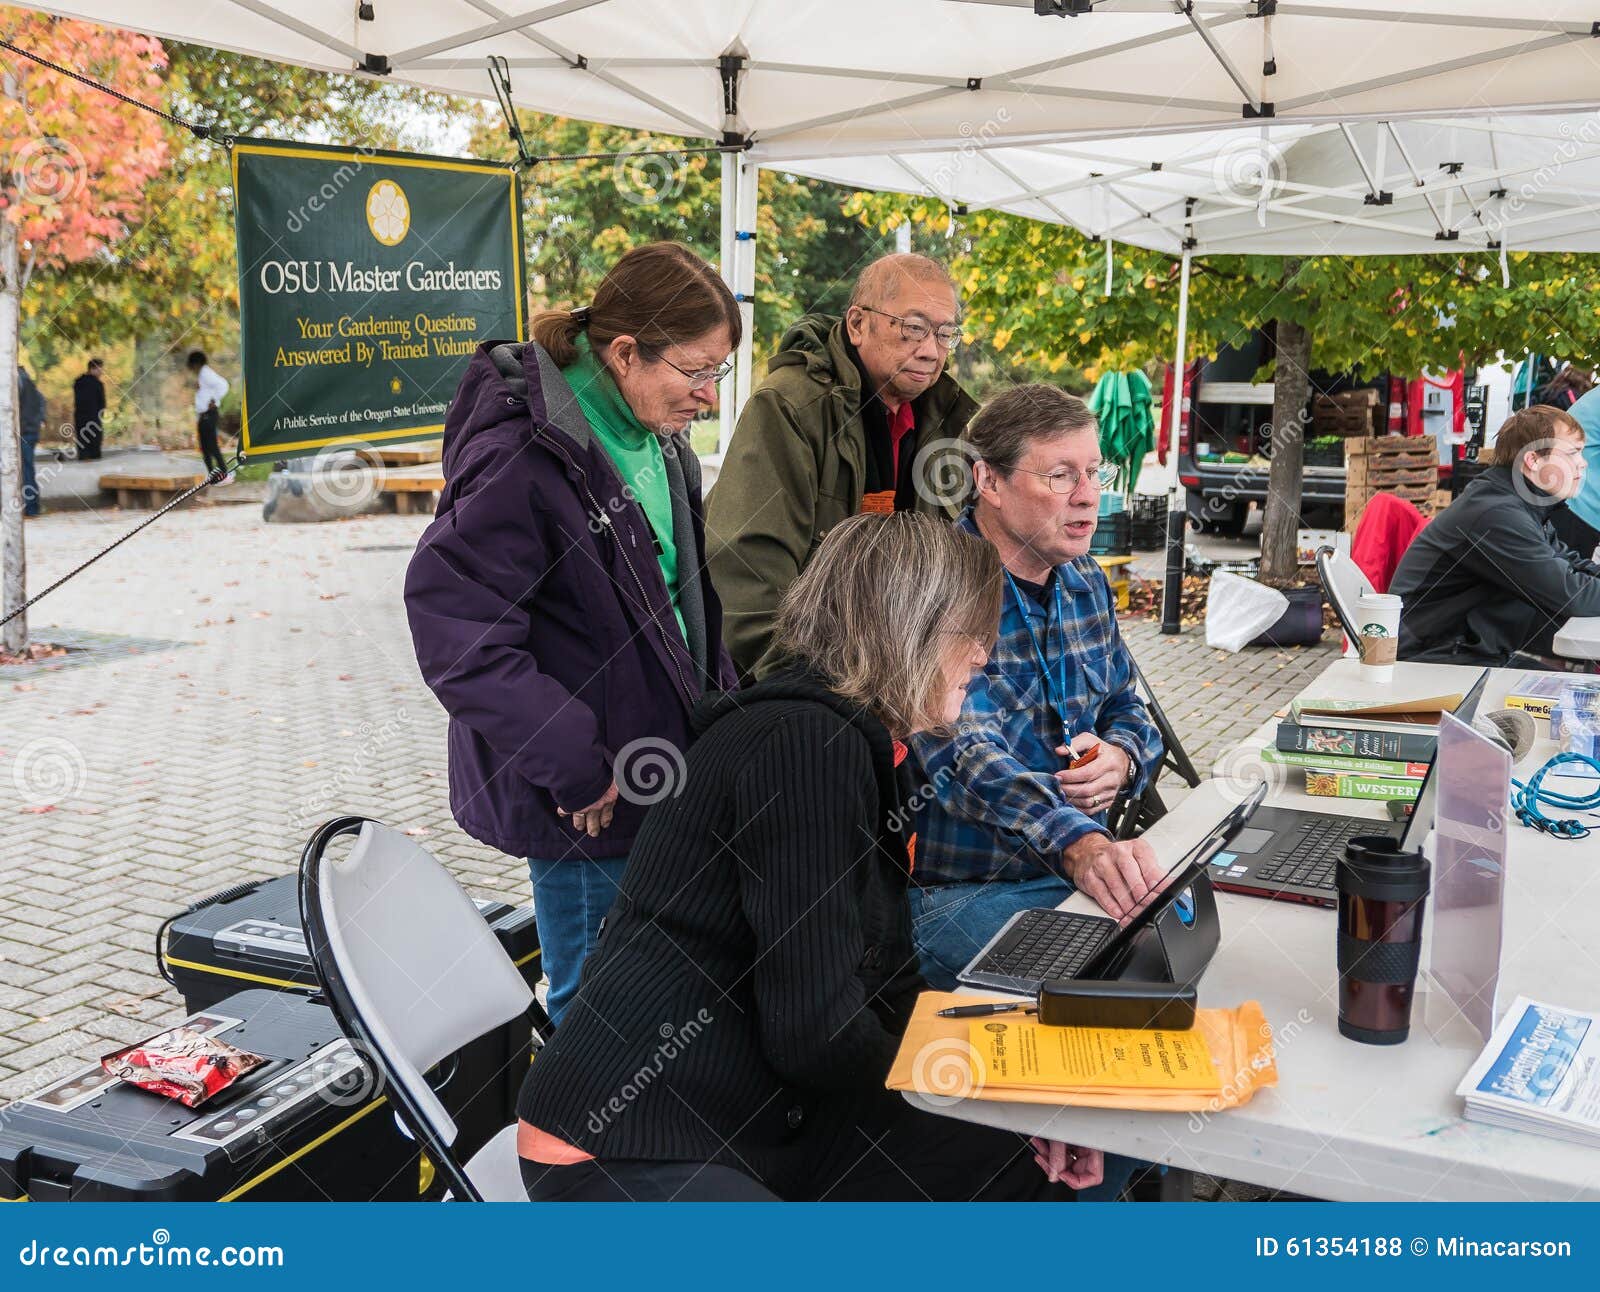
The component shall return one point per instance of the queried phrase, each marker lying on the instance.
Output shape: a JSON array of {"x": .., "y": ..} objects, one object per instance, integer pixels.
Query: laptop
[
  {"x": 1046, "y": 945},
  {"x": 1291, "y": 855}
]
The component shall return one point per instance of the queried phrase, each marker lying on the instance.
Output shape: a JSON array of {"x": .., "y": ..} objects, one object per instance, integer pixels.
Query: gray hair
[
  {"x": 875, "y": 281},
  {"x": 868, "y": 612},
  {"x": 1000, "y": 432}
]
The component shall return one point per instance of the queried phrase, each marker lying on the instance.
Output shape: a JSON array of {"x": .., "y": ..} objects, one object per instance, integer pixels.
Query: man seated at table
[
  {"x": 1003, "y": 824},
  {"x": 1488, "y": 578}
]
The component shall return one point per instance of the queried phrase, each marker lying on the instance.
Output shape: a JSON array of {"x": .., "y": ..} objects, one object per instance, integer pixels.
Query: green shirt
[{"x": 635, "y": 450}]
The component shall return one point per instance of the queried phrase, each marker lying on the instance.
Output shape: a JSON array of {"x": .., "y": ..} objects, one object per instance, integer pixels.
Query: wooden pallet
[
  {"x": 153, "y": 488},
  {"x": 408, "y": 494},
  {"x": 408, "y": 455}
]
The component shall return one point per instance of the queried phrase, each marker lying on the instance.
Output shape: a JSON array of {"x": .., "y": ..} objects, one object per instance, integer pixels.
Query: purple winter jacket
[{"x": 541, "y": 619}]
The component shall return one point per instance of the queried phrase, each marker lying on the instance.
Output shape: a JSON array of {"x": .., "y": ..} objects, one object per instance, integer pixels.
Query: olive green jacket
[{"x": 796, "y": 467}]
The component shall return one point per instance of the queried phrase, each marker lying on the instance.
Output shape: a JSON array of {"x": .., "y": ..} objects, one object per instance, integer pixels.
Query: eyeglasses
[
  {"x": 703, "y": 375},
  {"x": 1066, "y": 480},
  {"x": 915, "y": 331}
]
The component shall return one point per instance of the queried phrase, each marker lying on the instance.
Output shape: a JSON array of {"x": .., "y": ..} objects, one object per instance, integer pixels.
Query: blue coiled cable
[{"x": 1526, "y": 797}]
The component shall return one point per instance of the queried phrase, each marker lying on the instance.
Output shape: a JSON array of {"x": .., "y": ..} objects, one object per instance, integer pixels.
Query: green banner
[{"x": 366, "y": 281}]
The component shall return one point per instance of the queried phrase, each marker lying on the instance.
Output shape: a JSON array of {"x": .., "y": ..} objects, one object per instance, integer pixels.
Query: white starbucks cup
[{"x": 1378, "y": 619}]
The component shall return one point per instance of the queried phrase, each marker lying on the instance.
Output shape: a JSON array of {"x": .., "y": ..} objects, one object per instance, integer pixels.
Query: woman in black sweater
[{"x": 733, "y": 1029}]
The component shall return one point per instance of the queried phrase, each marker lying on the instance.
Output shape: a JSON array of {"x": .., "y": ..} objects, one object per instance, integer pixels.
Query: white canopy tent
[
  {"x": 1135, "y": 120},
  {"x": 995, "y": 102},
  {"x": 841, "y": 77}
]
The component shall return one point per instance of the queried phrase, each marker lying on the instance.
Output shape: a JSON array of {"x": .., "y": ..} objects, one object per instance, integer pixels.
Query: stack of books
[
  {"x": 1540, "y": 1072},
  {"x": 1356, "y": 749}
]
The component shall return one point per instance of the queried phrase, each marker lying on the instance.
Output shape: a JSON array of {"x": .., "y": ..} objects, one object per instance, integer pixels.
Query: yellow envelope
[{"x": 936, "y": 1059}]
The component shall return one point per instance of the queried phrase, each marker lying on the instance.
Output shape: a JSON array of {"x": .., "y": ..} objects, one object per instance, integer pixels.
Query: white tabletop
[
  {"x": 1349, "y": 1121},
  {"x": 1579, "y": 638}
]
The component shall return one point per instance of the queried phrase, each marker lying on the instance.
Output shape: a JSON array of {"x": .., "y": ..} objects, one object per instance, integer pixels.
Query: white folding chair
[
  {"x": 1343, "y": 584},
  {"x": 412, "y": 973}
]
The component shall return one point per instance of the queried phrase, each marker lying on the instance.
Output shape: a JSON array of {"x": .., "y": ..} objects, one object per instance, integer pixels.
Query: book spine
[
  {"x": 1350, "y": 743},
  {"x": 1537, "y": 705},
  {"x": 1351, "y": 766},
  {"x": 1340, "y": 786}
]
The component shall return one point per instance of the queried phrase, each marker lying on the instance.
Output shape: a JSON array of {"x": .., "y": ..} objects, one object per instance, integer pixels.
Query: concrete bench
[
  {"x": 153, "y": 489},
  {"x": 410, "y": 494}
]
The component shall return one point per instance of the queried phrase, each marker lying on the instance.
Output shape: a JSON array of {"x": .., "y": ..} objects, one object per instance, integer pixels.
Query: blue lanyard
[{"x": 1060, "y": 702}]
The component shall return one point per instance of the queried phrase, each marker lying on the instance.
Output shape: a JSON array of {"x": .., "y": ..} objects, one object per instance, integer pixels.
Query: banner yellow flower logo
[{"x": 388, "y": 212}]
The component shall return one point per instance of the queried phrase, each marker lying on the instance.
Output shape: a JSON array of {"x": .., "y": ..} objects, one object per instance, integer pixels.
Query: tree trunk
[
  {"x": 150, "y": 368},
  {"x": 1280, "y": 527},
  {"x": 13, "y": 585}
]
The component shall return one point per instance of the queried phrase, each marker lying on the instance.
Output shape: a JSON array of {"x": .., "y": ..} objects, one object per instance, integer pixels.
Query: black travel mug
[{"x": 1382, "y": 892}]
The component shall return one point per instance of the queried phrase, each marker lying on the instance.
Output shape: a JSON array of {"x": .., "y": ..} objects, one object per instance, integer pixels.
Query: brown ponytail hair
[{"x": 661, "y": 294}]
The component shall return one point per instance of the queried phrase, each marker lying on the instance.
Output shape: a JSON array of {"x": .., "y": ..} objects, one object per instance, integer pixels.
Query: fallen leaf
[
  {"x": 347, "y": 677},
  {"x": 308, "y": 762},
  {"x": 419, "y": 830},
  {"x": 40, "y": 810}
]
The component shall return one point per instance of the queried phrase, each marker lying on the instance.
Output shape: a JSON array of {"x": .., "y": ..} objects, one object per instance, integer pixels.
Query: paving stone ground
[{"x": 269, "y": 684}]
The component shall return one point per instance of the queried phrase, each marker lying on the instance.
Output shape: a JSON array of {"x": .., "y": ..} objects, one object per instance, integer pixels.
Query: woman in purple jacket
[{"x": 559, "y": 603}]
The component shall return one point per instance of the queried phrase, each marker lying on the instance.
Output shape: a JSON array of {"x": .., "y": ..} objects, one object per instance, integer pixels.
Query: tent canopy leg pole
[
  {"x": 1177, "y": 504},
  {"x": 744, "y": 287},
  {"x": 727, "y": 394}
]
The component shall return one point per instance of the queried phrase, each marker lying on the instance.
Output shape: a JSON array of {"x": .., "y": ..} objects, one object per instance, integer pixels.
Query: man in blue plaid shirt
[{"x": 1003, "y": 823}]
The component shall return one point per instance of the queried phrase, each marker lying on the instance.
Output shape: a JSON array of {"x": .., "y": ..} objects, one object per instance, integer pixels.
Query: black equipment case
[
  {"x": 252, "y": 935},
  {"x": 308, "y": 1126}
]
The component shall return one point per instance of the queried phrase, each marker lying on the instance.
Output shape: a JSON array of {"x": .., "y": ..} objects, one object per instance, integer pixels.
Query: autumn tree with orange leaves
[{"x": 73, "y": 166}]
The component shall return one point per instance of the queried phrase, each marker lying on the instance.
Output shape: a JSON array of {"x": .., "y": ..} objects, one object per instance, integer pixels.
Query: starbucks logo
[{"x": 1374, "y": 630}]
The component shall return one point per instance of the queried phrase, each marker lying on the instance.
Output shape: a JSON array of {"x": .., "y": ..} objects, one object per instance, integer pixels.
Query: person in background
[
  {"x": 89, "y": 410},
  {"x": 1488, "y": 578},
  {"x": 750, "y": 990},
  {"x": 1005, "y": 823},
  {"x": 837, "y": 426},
  {"x": 1577, "y": 521},
  {"x": 30, "y": 405},
  {"x": 210, "y": 387},
  {"x": 559, "y": 602}
]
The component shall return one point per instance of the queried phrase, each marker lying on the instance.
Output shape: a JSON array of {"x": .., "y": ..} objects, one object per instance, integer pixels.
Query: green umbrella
[{"x": 1121, "y": 402}]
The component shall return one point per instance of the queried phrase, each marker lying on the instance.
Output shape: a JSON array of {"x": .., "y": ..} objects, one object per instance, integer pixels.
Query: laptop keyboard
[
  {"x": 1047, "y": 944},
  {"x": 1311, "y": 858}
]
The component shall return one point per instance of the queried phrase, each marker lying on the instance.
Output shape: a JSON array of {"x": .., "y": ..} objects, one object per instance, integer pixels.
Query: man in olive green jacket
[{"x": 856, "y": 414}]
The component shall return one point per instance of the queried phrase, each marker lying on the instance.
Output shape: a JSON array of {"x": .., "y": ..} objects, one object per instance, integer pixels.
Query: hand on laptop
[{"x": 1119, "y": 876}]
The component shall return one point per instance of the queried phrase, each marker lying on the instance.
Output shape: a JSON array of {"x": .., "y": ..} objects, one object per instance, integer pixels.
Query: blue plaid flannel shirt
[{"x": 990, "y": 806}]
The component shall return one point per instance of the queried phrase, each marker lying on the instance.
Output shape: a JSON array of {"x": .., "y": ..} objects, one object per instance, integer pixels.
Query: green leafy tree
[{"x": 1036, "y": 296}]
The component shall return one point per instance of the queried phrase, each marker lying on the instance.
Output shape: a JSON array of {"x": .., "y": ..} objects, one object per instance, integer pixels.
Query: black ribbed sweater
[{"x": 751, "y": 984}]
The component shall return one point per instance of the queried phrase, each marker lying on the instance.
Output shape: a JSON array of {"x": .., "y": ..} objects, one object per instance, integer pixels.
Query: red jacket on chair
[{"x": 1385, "y": 530}]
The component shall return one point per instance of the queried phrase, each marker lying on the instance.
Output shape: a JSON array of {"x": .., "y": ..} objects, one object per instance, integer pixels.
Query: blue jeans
[
  {"x": 570, "y": 899},
  {"x": 951, "y": 923},
  {"x": 30, "y": 481}
]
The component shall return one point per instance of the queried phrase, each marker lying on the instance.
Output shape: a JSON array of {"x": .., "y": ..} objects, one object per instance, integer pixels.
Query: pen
[{"x": 980, "y": 1011}]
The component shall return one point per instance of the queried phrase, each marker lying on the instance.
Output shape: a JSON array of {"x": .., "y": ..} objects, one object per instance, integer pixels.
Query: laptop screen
[{"x": 1422, "y": 812}]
